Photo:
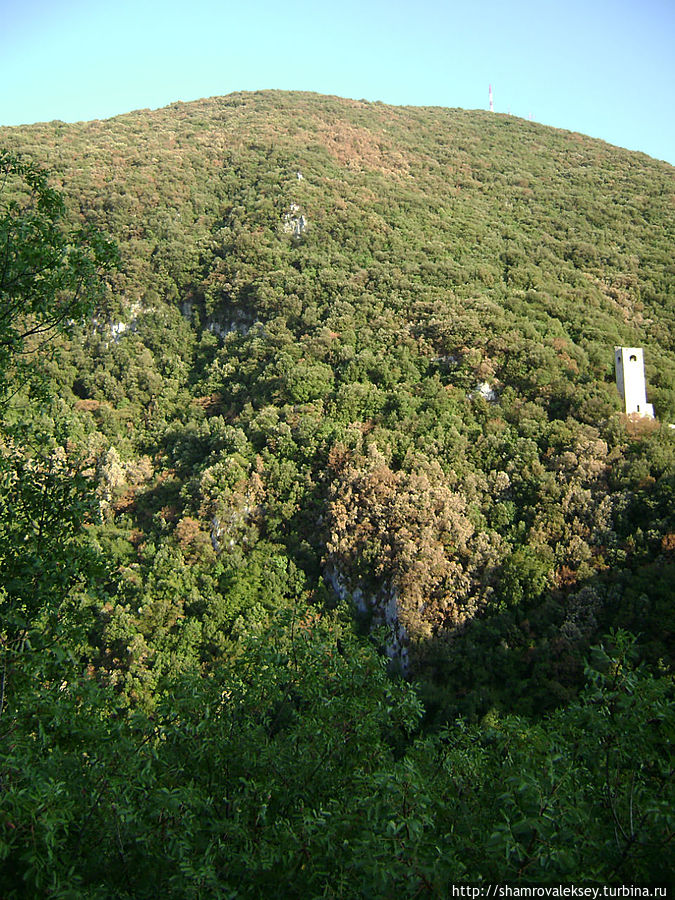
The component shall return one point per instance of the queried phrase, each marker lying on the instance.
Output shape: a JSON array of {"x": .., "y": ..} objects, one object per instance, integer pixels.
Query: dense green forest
[{"x": 330, "y": 565}]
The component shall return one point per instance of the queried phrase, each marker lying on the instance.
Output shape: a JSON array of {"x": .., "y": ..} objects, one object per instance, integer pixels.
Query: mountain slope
[
  {"x": 367, "y": 351},
  {"x": 571, "y": 233}
]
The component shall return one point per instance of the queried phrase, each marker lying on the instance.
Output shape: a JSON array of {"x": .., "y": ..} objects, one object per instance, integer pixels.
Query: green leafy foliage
[
  {"x": 50, "y": 276},
  {"x": 355, "y": 364},
  {"x": 293, "y": 769}
]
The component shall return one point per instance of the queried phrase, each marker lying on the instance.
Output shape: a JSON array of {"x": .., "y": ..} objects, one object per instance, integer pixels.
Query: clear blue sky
[{"x": 602, "y": 67}]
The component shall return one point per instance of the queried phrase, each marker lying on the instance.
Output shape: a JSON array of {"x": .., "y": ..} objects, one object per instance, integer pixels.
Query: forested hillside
[{"x": 329, "y": 559}]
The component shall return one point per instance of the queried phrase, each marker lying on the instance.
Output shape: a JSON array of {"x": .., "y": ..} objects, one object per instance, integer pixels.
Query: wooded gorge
[{"x": 331, "y": 566}]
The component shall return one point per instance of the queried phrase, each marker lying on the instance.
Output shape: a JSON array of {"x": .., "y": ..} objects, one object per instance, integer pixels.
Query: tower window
[{"x": 633, "y": 357}]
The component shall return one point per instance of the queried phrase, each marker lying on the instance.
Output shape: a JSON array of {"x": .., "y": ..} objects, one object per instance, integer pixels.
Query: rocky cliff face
[{"x": 381, "y": 609}]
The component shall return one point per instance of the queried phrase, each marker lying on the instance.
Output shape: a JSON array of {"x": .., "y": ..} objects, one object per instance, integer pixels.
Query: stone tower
[{"x": 630, "y": 379}]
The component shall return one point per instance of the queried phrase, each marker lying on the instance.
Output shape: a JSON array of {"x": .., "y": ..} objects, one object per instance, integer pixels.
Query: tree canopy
[
  {"x": 330, "y": 564},
  {"x": 49, "y": 273}
]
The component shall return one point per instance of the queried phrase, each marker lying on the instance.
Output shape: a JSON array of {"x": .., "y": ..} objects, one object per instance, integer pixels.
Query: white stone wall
[{"x": 630, "y": 380}]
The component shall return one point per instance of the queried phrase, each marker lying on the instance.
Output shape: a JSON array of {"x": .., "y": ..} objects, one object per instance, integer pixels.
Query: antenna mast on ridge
[{"x": 492, "y": 106}]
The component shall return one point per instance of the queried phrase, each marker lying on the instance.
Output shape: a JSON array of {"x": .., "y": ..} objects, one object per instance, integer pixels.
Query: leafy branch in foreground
[{"x": 50, "y": 274}]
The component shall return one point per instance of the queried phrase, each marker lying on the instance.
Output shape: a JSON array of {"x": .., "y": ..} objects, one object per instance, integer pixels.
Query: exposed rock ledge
[{"x": 383, "y": 609}]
